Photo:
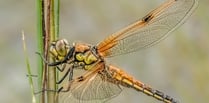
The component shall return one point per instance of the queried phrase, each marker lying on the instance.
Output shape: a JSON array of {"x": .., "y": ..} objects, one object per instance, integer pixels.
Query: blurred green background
[{"x": 178, "y": 65}]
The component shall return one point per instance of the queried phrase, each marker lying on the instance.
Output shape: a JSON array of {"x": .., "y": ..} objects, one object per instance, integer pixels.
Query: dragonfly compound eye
[{"x": 62, "y": 47}]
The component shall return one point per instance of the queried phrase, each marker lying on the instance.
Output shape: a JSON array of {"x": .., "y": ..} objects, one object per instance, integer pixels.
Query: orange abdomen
[{"x": 128, "y": 81}]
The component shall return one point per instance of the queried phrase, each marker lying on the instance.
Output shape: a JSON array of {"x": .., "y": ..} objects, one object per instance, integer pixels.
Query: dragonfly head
[{"x": 59, "y": 49}]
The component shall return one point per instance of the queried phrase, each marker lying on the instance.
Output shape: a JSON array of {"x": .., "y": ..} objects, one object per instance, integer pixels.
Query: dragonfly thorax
[{"x": 85, "y": 55}]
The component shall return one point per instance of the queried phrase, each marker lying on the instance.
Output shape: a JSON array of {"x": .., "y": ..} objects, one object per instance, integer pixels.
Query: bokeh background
[{"x": 178, "y": 65}]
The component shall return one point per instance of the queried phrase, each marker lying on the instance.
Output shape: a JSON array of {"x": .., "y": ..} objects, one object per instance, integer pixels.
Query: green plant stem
[
  {"x": 48, "y": 30},
  {"x": 40, "y": 41},
  {"x": 28, "y": 69},
  {"x": 57, "y": 17},
  {"x": 51, "y": 70}
]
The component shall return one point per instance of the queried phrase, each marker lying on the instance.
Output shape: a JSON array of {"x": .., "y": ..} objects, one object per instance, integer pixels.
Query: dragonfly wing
[
  {"x": 95, "y": 88},
  {"x": 149, "y": 30}
]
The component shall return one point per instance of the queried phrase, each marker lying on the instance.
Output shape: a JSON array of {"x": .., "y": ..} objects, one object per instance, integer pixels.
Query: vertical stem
[
  {"x": 28, "y": 69},
  {"x": 52, "y": 70},
  {"x": 56, "y": 16},
  {"x": 56, "y": 33},
  {"x": 46, "y": 36},
  {"x": 48, "y": 31},
  {"x": 40, "y": 38}
]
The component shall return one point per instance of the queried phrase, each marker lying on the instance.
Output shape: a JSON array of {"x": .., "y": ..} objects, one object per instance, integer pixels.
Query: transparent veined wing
[
  {"x": 149, "y": 30},
  {"x": 96, "y": 87}
]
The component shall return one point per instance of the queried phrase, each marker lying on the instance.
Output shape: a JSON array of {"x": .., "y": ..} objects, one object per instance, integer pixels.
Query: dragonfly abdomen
[
  {"x": 128, "y": 81},
  {"x": 152, "y": 92}
]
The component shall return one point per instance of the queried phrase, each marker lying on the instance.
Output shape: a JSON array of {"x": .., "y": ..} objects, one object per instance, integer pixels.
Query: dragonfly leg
[
  {"x": 70, "y": 70},
  {"x": 49, "y": 64},
  {"x": 53, "y": 64},
  {"x": 48, "y": 90},
  {"x": 61, "y": 89},
  {"x": 69, "y": 55}
]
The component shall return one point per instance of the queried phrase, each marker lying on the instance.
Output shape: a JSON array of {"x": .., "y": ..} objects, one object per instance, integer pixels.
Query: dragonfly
[{"x": 100, "y": 81}]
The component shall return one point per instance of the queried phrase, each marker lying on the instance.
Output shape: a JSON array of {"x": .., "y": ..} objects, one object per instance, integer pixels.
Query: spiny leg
[
  {"x": 49, "y": 64},
  {"x": 67, "y": 57},
  {"x": 56, "y": 64},
  {"x": 70, "y": 70}
]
